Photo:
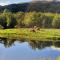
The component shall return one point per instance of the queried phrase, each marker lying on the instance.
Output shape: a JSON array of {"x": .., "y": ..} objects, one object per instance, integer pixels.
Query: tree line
[
  {"x": 29, "y": 20},
  {"x": 33, "y": 43}
]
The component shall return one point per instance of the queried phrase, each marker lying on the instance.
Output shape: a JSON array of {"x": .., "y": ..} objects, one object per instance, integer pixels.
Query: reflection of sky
[{"x": 24, "y": 52}]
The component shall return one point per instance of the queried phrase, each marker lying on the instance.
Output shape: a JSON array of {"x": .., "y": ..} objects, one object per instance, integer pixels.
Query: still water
[{"x": 15, "y": 49}]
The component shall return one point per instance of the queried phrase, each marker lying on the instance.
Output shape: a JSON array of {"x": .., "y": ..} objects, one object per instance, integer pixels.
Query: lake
[{"x": 23, "y": 49}]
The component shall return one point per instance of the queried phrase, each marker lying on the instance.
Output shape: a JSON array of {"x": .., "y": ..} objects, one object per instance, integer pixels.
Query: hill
[
  {"x": 33, "y": 6},
  {"x": 15, "y": 7}
]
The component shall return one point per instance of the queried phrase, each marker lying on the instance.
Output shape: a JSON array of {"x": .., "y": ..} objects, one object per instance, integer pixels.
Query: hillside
[
  {"x": 45, "y": 6},
  {"x": 15, "y": 7},
  {"x": 33, "y": 6}
]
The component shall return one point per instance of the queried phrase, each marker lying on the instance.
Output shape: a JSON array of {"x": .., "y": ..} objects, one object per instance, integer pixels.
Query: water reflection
[
  {"x": 8, "y": 42},
  {"x": 24, "y": 49}
]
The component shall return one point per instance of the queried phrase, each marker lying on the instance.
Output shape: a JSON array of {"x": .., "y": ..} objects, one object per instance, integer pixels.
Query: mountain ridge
[{"x": 37, "y": 6}]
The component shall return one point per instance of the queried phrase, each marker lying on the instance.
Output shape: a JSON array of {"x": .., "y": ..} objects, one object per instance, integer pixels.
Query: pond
[{"x": 22, "y": 49}]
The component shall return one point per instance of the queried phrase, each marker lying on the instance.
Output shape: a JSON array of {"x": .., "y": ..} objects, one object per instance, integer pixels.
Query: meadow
[{"x": 42, "y": 34}]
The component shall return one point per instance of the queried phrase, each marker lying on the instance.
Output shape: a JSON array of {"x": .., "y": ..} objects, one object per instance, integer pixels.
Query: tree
[
  {"x": 47, "y": 21},
  {"x": 7, "y": 15},
  {"x": 19, "y": 19},
  {"x": 3, "y": 21},
  {"x": 6, "y": 11},
  {"x": 56, "y": 22},
  {"x": 32, "y": 19}
]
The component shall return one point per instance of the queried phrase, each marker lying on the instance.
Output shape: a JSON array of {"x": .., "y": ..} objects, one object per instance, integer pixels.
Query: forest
[{"x": 29, "y": 20}]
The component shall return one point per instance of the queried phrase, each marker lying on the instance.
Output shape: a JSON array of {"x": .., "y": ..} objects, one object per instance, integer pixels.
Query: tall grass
[{"x": 52, "y": 34}]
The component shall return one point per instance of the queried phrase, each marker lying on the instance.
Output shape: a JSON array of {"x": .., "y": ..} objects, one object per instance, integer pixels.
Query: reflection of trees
[
  {"x": 57, "y": 44},
  {"x": 7, "y": 42},
  {"x": 33, "y": 43},
  {"x": 42, "y": 44},
  {"x": 39, "y": 44}
]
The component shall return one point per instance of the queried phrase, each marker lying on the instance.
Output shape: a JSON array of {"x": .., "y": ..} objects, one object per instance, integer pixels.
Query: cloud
[
  {"x": 3, "y": 4},
  {"x": 55, "y": 48},
  {"x": 3, "y": 1}
]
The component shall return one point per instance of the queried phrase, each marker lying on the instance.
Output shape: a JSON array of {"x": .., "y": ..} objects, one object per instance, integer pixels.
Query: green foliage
[
  {"x": 56, "y": 22},
  {"x": 6, "y": 11},
  {"x": 47, "y": 21},
  {"x": 29, "y": 19},
  {"x": 19, "y": 19},
  {"x": 3, "y": 20}
]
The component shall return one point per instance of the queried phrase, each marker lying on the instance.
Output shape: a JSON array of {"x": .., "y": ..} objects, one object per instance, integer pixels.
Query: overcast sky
[{"x": 5, "y": 2}]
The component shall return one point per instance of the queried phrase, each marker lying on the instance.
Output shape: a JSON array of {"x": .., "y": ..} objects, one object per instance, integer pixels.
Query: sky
[{"x": 6, "y": 2}]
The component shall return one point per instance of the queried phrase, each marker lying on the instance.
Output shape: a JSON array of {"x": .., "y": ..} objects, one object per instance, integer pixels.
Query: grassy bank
[{"x": 52, "y": 34}]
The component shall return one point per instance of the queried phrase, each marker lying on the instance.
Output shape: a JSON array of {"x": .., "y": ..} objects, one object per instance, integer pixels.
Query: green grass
[{"x": 42, "y": 34}]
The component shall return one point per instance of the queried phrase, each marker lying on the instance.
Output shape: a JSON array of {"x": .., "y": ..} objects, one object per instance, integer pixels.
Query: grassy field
[{"x": 52, "y": 34}]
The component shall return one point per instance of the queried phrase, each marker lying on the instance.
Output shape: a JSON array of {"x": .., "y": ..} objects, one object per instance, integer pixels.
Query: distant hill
[
  {"x": 45, "y": 6},
  {"x": 33, "y": 6},
  {"x": 15, "y": 7}
]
